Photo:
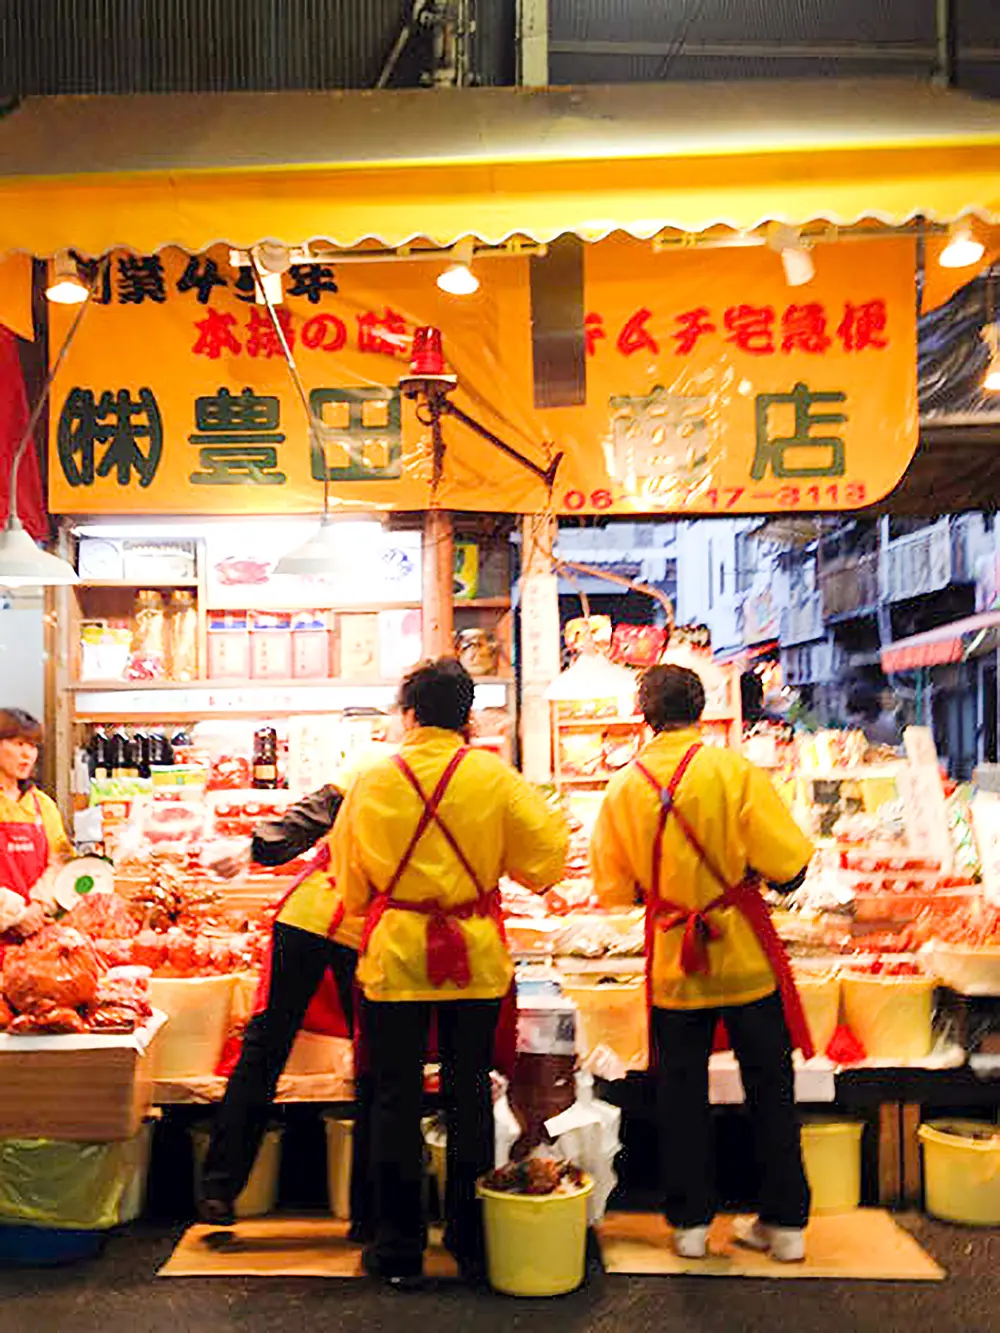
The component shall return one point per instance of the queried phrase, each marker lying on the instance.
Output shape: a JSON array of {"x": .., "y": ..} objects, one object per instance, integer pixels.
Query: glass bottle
[
  {"x": 149, "y": 646},
  {"x": 265, "y": 757},
  {"x": 182, "y": 636}
]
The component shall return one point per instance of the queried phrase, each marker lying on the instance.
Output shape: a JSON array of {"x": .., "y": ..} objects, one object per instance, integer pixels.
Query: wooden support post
[
  {"x": 910, "y": 1153},
  {"x": 439, "y": 584},
  {"x": 889, "y": 1164},
  {"x": 539, "y": 612}
]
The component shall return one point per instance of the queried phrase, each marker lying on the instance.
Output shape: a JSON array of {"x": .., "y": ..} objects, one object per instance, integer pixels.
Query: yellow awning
[{"x": 147, "y": 171}]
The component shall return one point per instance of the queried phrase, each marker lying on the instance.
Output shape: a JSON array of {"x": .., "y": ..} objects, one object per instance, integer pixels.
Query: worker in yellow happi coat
[
  {"x": 307, "y": 984},
  {"x": 419, "y": 847},
  {"x": 693, "y": 829}
]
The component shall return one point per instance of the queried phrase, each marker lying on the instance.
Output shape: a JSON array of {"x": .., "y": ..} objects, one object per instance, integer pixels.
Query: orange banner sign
[{"x": 707, "y": 386}]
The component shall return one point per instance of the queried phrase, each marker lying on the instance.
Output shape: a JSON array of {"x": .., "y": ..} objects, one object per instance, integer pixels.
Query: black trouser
[
  {"x": 397, "y": 1034},
  {"x": 299, "y": 960},
  {"x": 683, "y": 1044}
]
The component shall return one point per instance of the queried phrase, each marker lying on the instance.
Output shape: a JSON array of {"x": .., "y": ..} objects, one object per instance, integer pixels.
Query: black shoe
[
  {"x": 361, "y": 1233},
  {"x": 216, "y": 1212},
  {"x": 399, "y": 1279},
  {"x": 472, "y": 1273}
]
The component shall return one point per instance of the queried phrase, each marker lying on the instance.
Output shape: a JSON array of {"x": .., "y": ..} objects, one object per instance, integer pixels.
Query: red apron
[
  {"x": 325, "y": 1014},
  {"x": 24, "y": 852},
  {"x": 447, "y": 952},
  {"x": 24, "y": 856},
  {"x": 661, "y": 914}
]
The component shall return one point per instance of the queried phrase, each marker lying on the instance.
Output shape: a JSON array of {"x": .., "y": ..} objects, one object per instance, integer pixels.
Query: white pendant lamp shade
[
  {"x": 458, "y": 280},
  {"x": 592, "y": 676},
  {"x": 338, "y": 548},
  {"x": 25, "y": 565}
]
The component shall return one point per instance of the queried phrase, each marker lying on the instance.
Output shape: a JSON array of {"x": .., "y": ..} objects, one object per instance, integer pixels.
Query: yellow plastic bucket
[
  {"x": 820, "y": 996},
  {"x": 890, "y": 1016},
  {"x": 260, "y": 1193},
  {"x": 962, "y": 1171},
  {"x": 831, "y": 1150},
  {"x": 536, "y": 1244},
  {"x": 339, "y": 1141}
]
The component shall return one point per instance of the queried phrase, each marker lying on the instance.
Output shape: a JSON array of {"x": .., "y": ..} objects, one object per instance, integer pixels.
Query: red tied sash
[
  {"x": 447, "y": 951},
  {"x": 662, "y": 914}
]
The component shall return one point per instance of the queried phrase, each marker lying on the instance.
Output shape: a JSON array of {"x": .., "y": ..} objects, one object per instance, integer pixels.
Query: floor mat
[
  {"x": 281, "y": 1247},
  {"x": 866, "y": 1245}
]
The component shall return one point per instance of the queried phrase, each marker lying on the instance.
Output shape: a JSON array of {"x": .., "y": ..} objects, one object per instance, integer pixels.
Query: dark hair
[
  {"x": 439, "y": 693},
  {"x": 671, "y": 696},
  {"x": 17, "y": 725},
  {"x": 751, "y": 695}
]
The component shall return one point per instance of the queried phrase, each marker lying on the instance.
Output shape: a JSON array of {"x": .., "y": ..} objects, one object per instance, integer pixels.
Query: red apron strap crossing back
[
  {"x": 447, "y": 952},
  {"x": 699, "y": 930},
  {"x": 431, "y": 811}
]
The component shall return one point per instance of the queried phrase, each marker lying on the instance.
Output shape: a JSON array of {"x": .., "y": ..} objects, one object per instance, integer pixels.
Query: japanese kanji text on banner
[{"x": 710, "y": 387}]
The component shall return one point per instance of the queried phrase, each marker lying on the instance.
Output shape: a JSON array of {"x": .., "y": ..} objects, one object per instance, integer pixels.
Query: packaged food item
[
  {"x": 638, "y": 645},
  {"x": 478, "y": 651},
  {"x": 182, "y": 636},
  {"x": 57, "y": 968},
  {"x": 104, "y": 650},
  {"x": 310, "y": 646},
  {"x": 228, "y": 646},
  {"x": 359, "y": 646},
  {"x": 591, "y": 634},
  {"x": 148, "y": 659},
  {"x": 270, "y": 645},
  {"x": 466, "y": 584}
]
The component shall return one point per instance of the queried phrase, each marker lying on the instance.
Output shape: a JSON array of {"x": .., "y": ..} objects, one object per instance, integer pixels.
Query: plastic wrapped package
[
  {"x": 73, "y": 1186},
  {"x": 587, "y": 1134},
  {"x": 612, "y": 1019},
  {"x": 57, "y": 968}
]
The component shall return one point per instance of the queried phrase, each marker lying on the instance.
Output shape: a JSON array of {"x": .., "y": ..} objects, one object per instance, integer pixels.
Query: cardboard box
[{"x": 91, "y": 1089}]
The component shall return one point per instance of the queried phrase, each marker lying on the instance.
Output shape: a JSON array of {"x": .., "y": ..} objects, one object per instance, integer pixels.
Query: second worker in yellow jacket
[
  {"x": 690, "y": 828},
  {"x": 420, "y": 845}
]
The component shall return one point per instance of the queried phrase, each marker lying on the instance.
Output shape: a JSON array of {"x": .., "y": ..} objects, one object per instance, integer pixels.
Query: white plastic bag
[{"x": 587, "y": 1135}]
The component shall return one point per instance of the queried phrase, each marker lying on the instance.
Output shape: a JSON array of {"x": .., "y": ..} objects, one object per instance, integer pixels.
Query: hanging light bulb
[
  {"x": 798, "y": 265},
  {"x": 991, "y": 381},
  {"x": 796, "y": 256},
  {"x": 458, "y": 278},
  {"x": 65, "y": 287},
  {"x": 962, "y": 249}
]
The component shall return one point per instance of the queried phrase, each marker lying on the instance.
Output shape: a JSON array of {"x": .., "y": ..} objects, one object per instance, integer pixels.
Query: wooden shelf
[
  {"x": 334, "y": 682},
  {"x": 482, "y": 604},
  {"x": 598, "y": 723},
  {"x": 135, "y": 584}
]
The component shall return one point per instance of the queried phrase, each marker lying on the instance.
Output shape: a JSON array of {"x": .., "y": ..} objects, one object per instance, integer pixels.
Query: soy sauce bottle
[{"x": 265, "y": 757}]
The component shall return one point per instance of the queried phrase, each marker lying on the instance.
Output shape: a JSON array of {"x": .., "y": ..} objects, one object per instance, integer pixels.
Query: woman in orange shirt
[{"x": 32, "y": 837}]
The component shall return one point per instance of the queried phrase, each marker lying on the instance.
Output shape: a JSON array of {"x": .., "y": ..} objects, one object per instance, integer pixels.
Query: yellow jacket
[
  {"x": 23, "y": 811},
  {"x": 315, "y": 904},
  {"x": 741, "y": 822},
  {"x": 503, "y": 826}
]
